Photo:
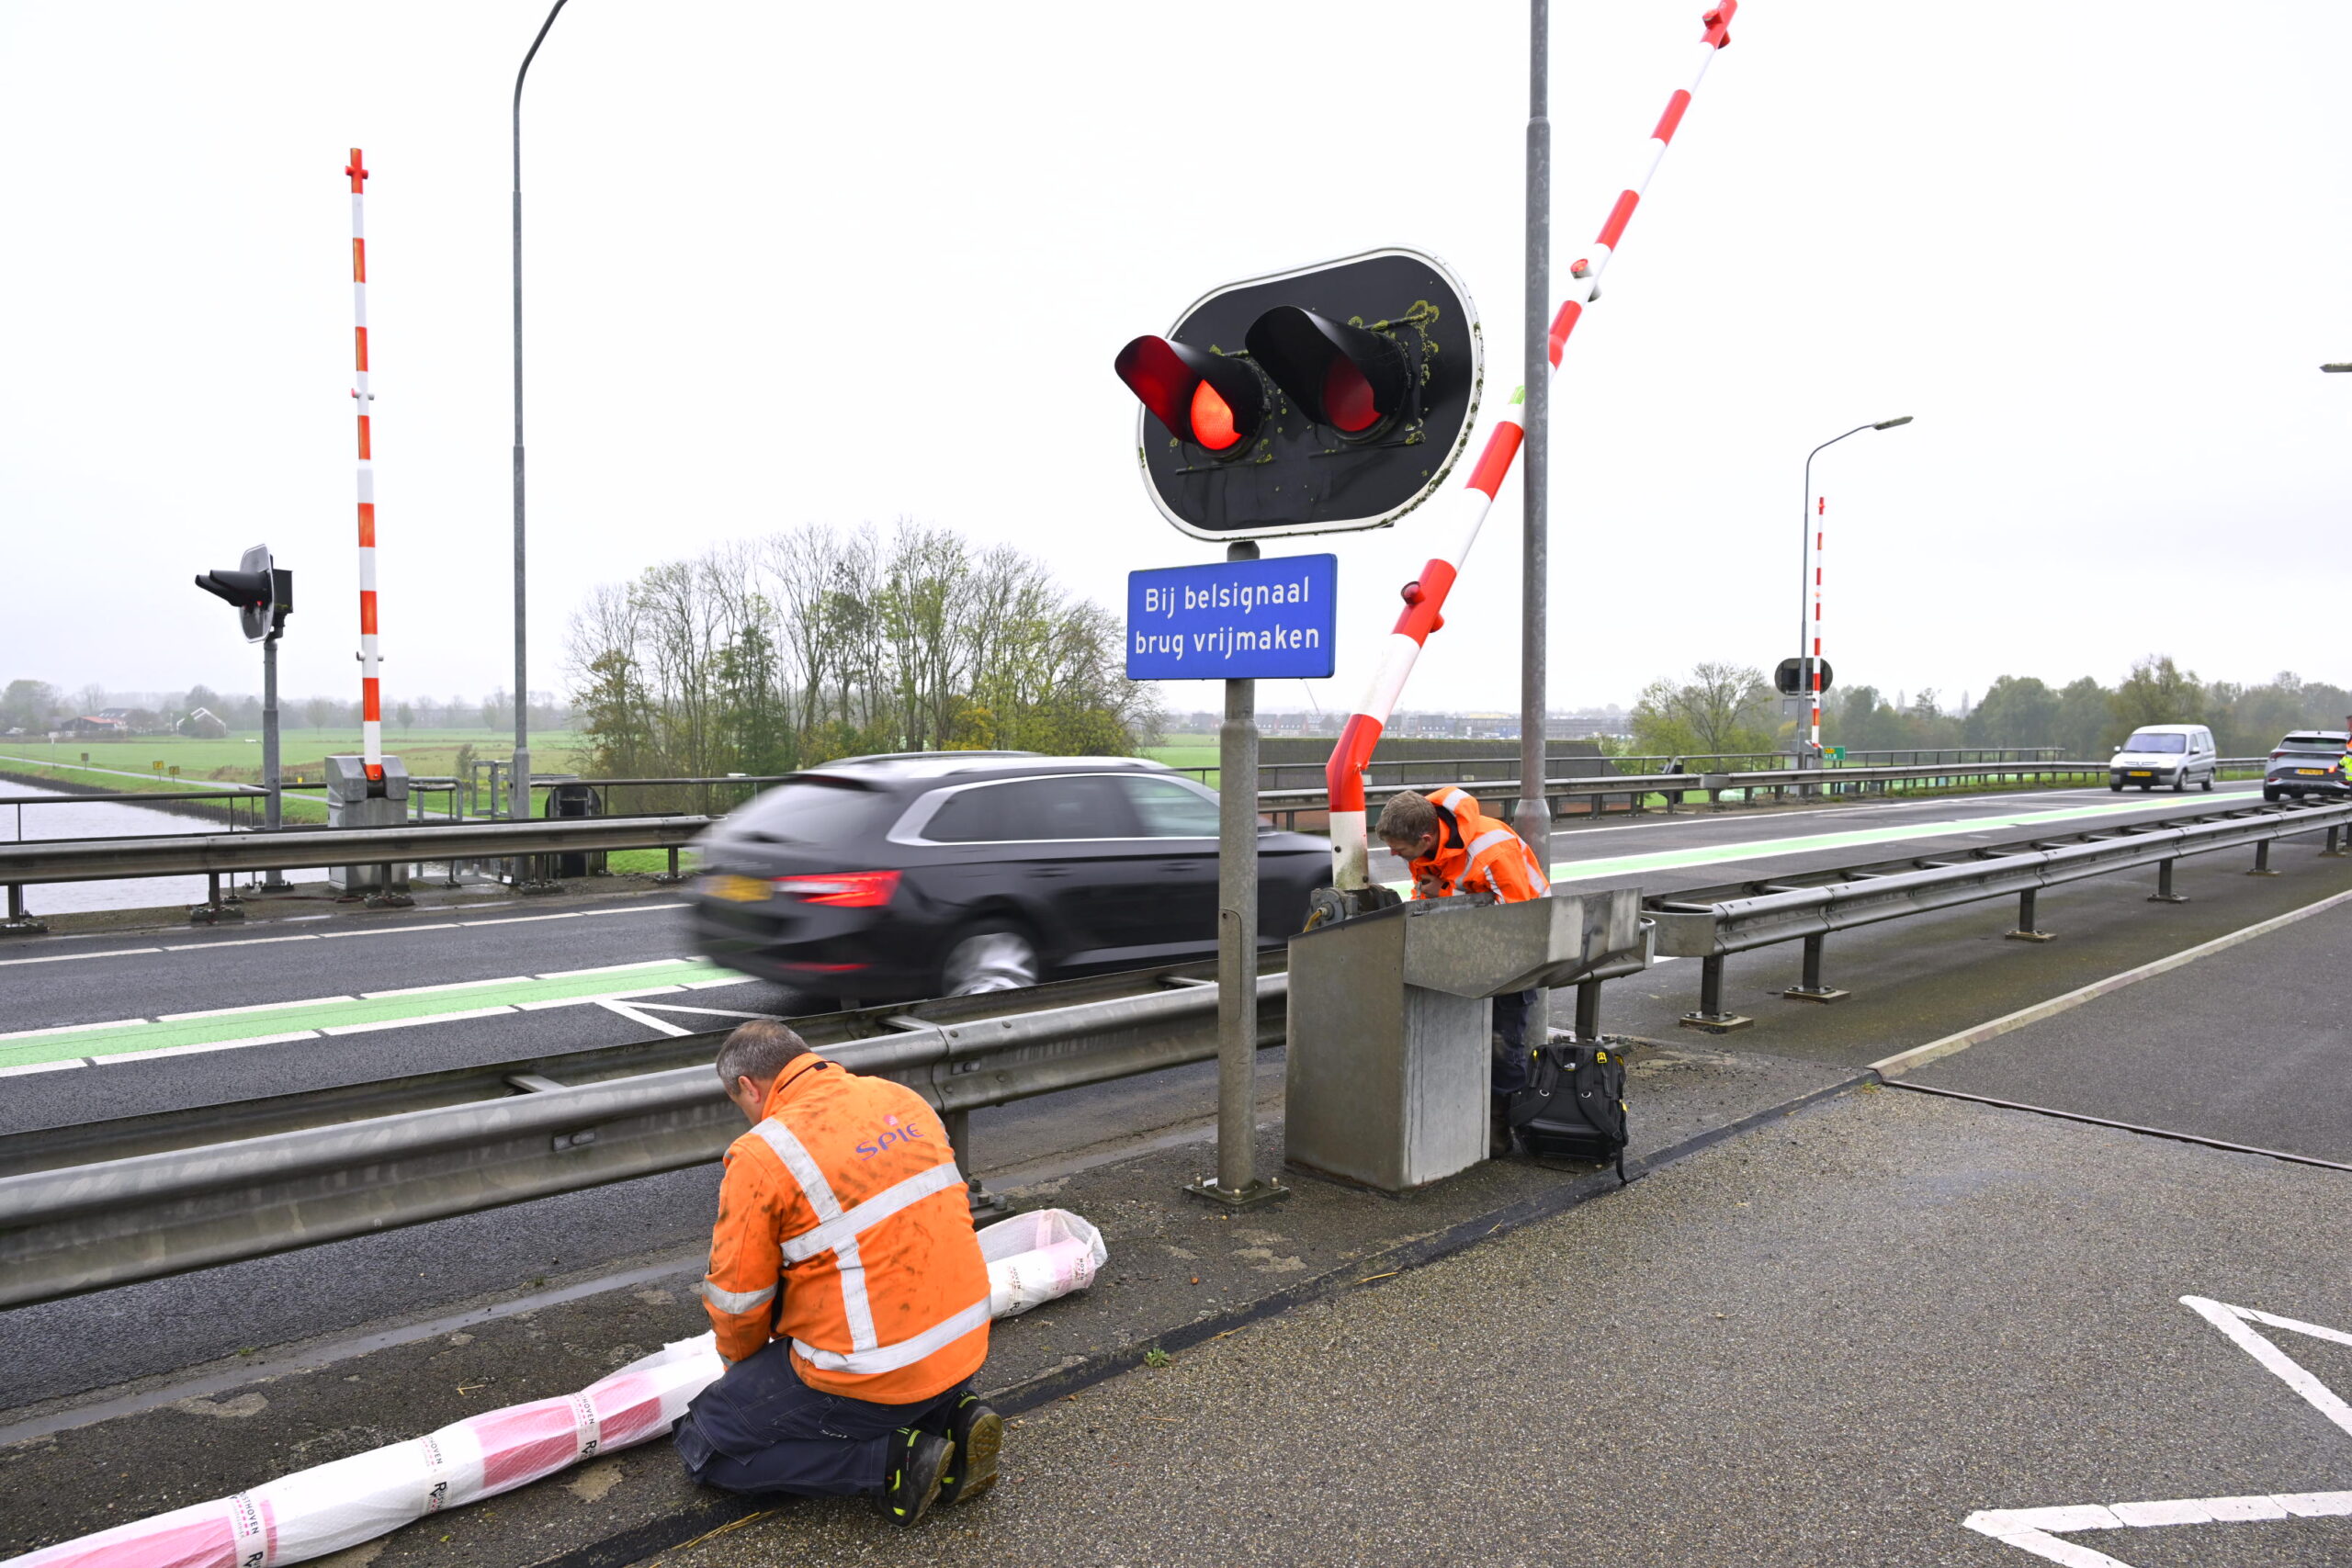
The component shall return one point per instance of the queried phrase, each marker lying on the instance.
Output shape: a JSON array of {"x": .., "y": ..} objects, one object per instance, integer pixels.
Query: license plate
[
  {"x": 2140, "y": 774},
  {"x": 736, "y": 890},
  {"x": 2312, "y": 773}
]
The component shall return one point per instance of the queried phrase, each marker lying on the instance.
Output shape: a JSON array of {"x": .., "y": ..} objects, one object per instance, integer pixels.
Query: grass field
[{"x": 146, "y": 762}]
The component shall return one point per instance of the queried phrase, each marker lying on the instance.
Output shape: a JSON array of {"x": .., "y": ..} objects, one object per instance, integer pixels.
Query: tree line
[
  {"x": 767, "y": 655},
  {"x": 38, "y": 707},
  {"x": 1730, "y": 709}
]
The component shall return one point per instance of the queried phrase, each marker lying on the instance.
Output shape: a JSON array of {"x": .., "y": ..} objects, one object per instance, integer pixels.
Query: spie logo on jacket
[{"x": 893, "y": 1132}]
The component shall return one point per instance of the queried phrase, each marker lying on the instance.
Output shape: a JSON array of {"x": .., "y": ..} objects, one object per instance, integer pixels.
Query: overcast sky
[{"x": 790, "y": 263}]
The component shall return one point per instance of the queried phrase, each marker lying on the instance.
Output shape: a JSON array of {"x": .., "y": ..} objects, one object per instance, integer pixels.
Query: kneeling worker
[
  {"x": 848, "y": 1293},
  {"x": 1453, "y": 848}
]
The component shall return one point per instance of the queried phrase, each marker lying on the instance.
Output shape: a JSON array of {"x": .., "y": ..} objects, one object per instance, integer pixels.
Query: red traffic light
[
  {"x": 1338, "y": 374},
  {"x": 1206, "y": 398}
]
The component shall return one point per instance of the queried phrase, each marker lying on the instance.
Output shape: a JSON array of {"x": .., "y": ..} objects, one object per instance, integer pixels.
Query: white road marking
[
  {"x": 608, "y": 968},
  {"x": 522, "y": 919},
  {"x": 372, "y": 1026},
  {"x": 70, "y": 958},
  {"x": 194, "y": 1050},
  {"x": 389, "y": 930},
  {"x": 632, "y": 909},
  {"x": 250, "y": 1007},
  {"x": 1920, "y": 1055},
  {"x": 241, "y": 942},
  {"x": 612, "y": 1004},
  {"x": 715, "y": 1012},
  {"x": 43, "y": 1068},
  {"x": 69, "y": 1029},
  {"x": 588, "y": 1001},
  {"x": 2037, "y": 1530},
  {"x": 447, "y": 985}
]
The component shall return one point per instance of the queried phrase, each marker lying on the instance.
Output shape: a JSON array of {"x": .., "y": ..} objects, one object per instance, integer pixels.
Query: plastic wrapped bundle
[
  {"x": 1032, "y": 1258},
  {"x": 1035, "y": 1257},
  {"x": 314, "y": 1512}
]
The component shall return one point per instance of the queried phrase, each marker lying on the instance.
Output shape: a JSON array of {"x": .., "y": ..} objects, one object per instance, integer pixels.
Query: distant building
[
  {"x": 206, "y": 723},
  {"x": 110, "y": 724}
]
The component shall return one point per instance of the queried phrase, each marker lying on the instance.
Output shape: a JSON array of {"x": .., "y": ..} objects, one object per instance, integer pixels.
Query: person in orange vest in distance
[
  {"x": 848, "y": 1293},
  {"x": 1453, "y": 849}
]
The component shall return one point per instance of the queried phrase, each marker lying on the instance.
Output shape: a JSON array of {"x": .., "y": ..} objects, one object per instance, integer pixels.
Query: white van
[{"x": 2175, "y": 754}]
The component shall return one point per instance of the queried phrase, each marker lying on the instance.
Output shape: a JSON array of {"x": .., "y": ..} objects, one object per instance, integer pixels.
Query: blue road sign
[{"x": 1237, "y": 620}]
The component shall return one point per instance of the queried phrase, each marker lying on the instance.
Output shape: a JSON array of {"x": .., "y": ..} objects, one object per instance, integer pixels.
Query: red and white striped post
[
  {"x": 372, "y": 708},
  {"x": 1821, "y": 506},
  {"x": 1425, "y": 596}
]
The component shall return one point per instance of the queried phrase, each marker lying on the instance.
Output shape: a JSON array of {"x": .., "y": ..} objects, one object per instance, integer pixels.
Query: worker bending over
[
  {"x": 848, "y": 1293},
  {"x": 1452, "y": 850}
]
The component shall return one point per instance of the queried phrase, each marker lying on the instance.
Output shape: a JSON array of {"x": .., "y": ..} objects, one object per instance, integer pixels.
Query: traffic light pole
[
  {"x": 1534, "y": 819},
  {"x": 1425, "y": 596},
  {"x": 272, "y": 817},
  {"x": 520, "y": 795},
  {"x": 1237, "y": 1182}
]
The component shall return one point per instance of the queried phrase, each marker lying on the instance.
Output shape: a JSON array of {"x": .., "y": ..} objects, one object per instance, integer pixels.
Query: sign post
[{"x": 1237, "y": 622}]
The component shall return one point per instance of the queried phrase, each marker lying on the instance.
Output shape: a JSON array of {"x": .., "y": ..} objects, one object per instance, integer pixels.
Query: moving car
[
  {"x": 2174, "y": 754},
  {"x": 944, "y": 873},
  {"x": 2308, "y": 761}
]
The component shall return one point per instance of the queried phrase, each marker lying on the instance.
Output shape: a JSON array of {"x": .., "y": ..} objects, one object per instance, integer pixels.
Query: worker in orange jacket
[
  {"x": 1451, "y": 850},
  {"x": 847, "y": 1291}
]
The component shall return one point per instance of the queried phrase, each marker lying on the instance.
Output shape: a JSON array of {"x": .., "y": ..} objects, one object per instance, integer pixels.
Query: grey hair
[{"x": 758, "y": 1051}]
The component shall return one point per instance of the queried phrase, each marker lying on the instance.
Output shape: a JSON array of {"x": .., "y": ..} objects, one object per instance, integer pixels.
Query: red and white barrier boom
[
  {"x": 1425, "y": 596},
  {"x": 372, "y": 708}
]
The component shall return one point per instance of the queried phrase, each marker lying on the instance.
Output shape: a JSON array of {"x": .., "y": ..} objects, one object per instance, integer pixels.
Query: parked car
[
  {"x": 2308, "y": 761},
  {"x": 944, "y": 873},
  {"x": 2175, "y": 754}
]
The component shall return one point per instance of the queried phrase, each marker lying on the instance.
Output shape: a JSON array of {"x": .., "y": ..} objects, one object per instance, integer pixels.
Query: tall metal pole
[
  {"x": 521, "y": 796},
  {"x": 1237, "y": 1182},
  {"x": 1807, "y": 648},
  {"x": 1535, "y": 816},
  {"x": 271, "y": 815}
]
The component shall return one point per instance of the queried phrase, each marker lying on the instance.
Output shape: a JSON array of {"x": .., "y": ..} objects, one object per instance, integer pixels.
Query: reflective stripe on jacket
[
  {"x": 846, "y": 1201},
  {"x": 1477, "y": 855}
]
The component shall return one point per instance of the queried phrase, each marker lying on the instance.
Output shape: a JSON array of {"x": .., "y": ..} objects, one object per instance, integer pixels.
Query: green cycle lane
[
  {"x": 1808, "y": 843},
  {"x": 76, "y": 1044}
]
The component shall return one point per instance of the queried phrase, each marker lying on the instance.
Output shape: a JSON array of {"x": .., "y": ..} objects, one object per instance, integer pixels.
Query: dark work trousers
[
  {"x": 1510, "y": 1041},
  {"x": 759, "y": 1428}
]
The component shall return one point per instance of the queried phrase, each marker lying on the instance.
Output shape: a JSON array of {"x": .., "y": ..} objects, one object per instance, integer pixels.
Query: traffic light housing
[
  {"x": 1789, "y": 676},
  {"x": 1332, "y": 397},
  {"x": 262, "y": 591}
]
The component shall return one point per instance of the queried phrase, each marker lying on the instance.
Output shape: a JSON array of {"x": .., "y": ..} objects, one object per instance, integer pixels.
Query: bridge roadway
[{"x": 2229, "y": 1048}]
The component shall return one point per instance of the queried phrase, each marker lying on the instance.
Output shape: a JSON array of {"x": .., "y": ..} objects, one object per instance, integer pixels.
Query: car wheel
[
  {"x": 2272, "y": 796},
  {"x": 2208, "y": 786},
  {"x": 2180, "y": 782},
  {"x": 995, "y": 956},
  {"x": 2114, "y": 785}
]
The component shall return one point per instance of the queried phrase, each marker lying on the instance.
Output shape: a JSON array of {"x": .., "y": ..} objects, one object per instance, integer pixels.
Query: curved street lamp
[
  {"x": 1809, "y": 649},
  {"x": 519, "y": 793}
]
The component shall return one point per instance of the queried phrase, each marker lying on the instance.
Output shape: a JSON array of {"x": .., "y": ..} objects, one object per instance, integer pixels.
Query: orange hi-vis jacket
[
  {"x": 1477, "y": 855},
  {"x": 845, "y": 1201}
]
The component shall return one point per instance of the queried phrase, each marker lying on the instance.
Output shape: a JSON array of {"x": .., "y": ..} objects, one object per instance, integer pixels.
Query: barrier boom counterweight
[
  {"x": 370, "y": 697},
  {"x": 1425, "y": 596}
]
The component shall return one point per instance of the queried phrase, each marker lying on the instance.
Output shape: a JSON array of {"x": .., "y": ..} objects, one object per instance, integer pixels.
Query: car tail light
[
  {"x": 2276, "y": 755},
  {"x": 847, "y": 890}
]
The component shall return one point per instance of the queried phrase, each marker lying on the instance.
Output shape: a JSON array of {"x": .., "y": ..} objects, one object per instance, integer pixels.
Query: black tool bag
[{"x": 1574, "y": 1104}]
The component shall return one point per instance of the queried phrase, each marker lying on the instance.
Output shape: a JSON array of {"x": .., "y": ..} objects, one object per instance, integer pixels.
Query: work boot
[
  {"x": 918, "y": 1461},
  {"x": 978, "y": 1432}
]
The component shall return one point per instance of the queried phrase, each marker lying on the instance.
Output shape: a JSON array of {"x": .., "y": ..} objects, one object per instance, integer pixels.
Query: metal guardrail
[
  {"x": 1711, "y": 923},
  {"x": 66, "y": 1228},
  {"x": 95, "y": 860}
]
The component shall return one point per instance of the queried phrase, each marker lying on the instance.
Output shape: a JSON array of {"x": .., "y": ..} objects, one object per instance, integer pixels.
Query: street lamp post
[
  {"x": 519, "y": 794},
  {"x": 1808, "y": 585}
]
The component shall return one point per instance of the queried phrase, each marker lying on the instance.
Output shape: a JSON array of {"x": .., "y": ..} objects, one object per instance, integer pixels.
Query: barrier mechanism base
[{"x": 1256, "y": 1192}]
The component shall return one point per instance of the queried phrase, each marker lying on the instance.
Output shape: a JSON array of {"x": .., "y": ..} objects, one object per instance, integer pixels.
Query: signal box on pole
[
  {"x": 1330, "y": 398},
  {"x": 263, "y": 593}
]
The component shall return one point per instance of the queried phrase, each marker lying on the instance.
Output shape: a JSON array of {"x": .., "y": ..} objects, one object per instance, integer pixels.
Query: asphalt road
[
  {"x": 1831, "y": 1343},
  {"x": 339, "y": 1000}
]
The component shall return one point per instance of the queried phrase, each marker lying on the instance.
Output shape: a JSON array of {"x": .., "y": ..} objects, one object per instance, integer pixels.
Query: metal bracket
[{"x": 1259, "y": 1190}]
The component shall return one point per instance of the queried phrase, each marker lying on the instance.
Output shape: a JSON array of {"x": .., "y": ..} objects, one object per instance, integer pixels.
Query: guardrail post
[
  {"x": 1588, "y": 1010},
  {"x": 213, "y": 909},
  {"x": 982, "y": 1202},
  {"x": 2026, "y": 930},
  {"x": 2164, "y": 893},
  {"x": 673, "y": 874},
  {"x": 1710, "y": 1016},
  {"x": 19, "y": 923},
  {"x": 1810, "y": 989},
  {"x": 2335, "y": 841},
  {"x": 2262, "y": 860}
]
